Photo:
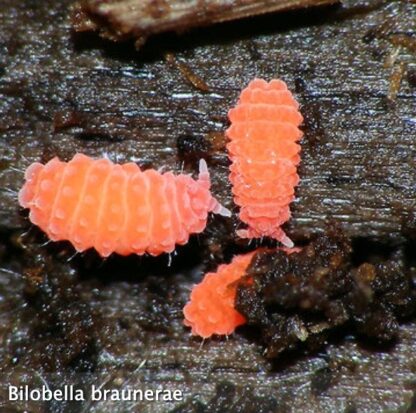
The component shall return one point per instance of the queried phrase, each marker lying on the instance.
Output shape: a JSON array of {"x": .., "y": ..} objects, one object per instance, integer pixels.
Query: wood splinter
[
  {"x": 121, "y": 19},
  {"x": 196, "y": 81},
  {"x": 395, "y": 81}
]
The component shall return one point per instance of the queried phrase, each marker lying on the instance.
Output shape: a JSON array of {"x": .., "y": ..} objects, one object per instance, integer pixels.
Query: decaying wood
[
  {"x": 127, "y": 105},
  {"x": 119, "y": 19},
  {"x": 67, "y": 320}
]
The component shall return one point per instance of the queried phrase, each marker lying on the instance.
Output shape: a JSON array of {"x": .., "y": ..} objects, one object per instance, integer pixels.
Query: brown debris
[
  {"x": 117, "y": 20},
  {"x": 302, "y": 297},
  {"x": 391, "y": 58},
  {"x": 192, "y": 148},
  {"x": 385, "y": 32},
  {"x": 381, "y": 31},
  {"x": 404, "y": 40},
  {"x": 218, "y": 140},
  {"x": 82, "y": 22},
  {"x": 395, "y": 81},
  {"x": 187, "y": 73}
]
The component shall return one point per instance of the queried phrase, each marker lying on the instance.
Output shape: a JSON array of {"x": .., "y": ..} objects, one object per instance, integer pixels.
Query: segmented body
[
  {"x": 116, "y": 208},
  {"x": 211, "y": 306},
  {"x": 264, "y": 153}
]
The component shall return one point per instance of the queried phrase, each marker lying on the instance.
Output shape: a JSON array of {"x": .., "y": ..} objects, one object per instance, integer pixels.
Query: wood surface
[
  {"x": 119, "y": 20},
  {"x": 119, "y": 322}
]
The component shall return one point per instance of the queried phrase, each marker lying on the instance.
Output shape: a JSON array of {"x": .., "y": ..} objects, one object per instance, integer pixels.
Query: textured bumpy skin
[
  {"x": 116, "y": 208},
  {"x": 264, "y": 153},
  {"x": 211, "y": 307}
]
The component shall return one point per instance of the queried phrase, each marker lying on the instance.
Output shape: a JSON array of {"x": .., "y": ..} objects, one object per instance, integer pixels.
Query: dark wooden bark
[{"x": 91, "y": 322}]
